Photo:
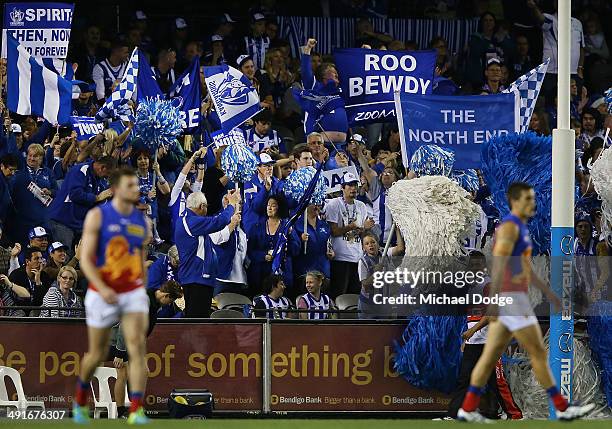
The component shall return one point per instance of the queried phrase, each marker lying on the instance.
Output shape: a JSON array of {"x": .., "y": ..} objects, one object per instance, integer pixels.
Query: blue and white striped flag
[
  {"x": 32, "y": 89},
  {"x": 116, "y": 105},
  {"x": 528, "y": 86}
]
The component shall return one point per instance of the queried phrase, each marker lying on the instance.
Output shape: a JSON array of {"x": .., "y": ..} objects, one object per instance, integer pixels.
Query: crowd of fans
[{"x": 49, "y": 179}]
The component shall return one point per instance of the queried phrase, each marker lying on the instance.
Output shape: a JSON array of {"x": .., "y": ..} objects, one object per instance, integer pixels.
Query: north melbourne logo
[
  {"x": 232, "y": 91},
  {"x": 17, "y": 16}
]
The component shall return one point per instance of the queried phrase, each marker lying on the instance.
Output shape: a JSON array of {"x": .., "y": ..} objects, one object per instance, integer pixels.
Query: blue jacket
[
  {"x": 260, "y": 242},
  {"x": 255, "y": 197},
  {"x": 76, "y": 196},
  {"x": 316, "y": 250},
  {"x": 6, "y": 203},
  {"x": 195, "y": 247},
  {"x": 29, "y": 209},
  {"x": 160, "y": 272}
]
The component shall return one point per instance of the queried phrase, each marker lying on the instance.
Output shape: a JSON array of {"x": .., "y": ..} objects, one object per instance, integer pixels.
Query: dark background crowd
[{"x": 49, "y": 179}]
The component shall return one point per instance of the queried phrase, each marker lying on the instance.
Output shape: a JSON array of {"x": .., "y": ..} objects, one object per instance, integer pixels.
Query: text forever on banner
[
  {"x": 43, "y": 29},
  {"x": 460, "y": 124},
  {"x": 369, "y": 78}
]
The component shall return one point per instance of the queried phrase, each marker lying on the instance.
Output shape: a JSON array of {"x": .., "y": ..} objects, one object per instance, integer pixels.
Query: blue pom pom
[
  {"x": 608, "y": 94},
  {"x": 158, "y": 122},
  {"x": 430, "y": 354},
  {"x": 527, "y": 158},
  {"x": 432, "y": 160},
  {"x": 467, "y": 179},
  {"x": 599, "y": 327},
  {"x": 297, "y": 182},
  {"x": 239, "y": 162}
]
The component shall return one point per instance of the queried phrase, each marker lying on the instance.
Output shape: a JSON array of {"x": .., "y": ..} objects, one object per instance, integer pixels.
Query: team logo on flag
[
  {"x": 233, "y": 95},
  {"x": 233, "y": 92},
  {"x": 17, "y": 16}
]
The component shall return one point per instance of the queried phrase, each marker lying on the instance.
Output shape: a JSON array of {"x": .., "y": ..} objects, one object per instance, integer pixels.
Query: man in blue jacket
[
  {"x": 196, "y": 260},
  {"x": 85, "y": 186},
  {"x": 258, "y": 189},
  {"x": 32, "y": 189}
]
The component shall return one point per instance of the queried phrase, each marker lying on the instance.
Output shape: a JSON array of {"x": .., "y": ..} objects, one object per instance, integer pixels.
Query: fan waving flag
[
  {"x": 528, "y": 86},
  {"x": 116, "y": 106},
  {"x": 234, "y": 96},
  {"x": 32, "y": 89}
]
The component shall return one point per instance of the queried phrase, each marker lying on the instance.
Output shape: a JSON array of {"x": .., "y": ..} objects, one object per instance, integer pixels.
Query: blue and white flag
[
  {"x": 234, "y": 96},
  {"x": 186, "y": 92},
  {"x": 116, "y": 105},
  {"x": 369, "y": 78},
  {"x": 528, "y": 86},
  {"x": 42, "y": 28},
  {"x": 32, "y": 89},
  {"x": 146, "y": 85},
  {"x": 86, "y": 127},
  {"x": 318, "y": 104},
  {"x": 460, "y": 124}
]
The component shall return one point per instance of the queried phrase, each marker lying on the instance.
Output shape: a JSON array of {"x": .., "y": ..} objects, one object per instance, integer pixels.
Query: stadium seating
[
  {"x": 227, "y": 314},
  {"x": 22, "y": 404},
  {"x": 232, "y": 301},
  {"x": 347, "y": 301},
  {"x": 104, "y": 400}
]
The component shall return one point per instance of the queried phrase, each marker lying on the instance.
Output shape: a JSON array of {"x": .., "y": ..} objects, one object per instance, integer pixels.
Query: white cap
[
  {"x": 180, "y": 23},
  {"x": 15, "y": 128},
  {"x": 216, "y": 38},
  {"x": 56, "y": 245},
  {"x": 598, "y": 102},
  {"x": 357, "y": 138},
  {"x": 349, "y": 178},
  {"x": 257, "y": 16},
  {"x": 265, "y": 159},
  {"x": 140, "y": 15},
  {"x": 242, "y": 58}
]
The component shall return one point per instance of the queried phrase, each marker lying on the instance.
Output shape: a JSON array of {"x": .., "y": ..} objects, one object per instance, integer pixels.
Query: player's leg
[
  {"x": 134, "y": 331},
  {"x": 530, "y": 338},
  {"x": 498, "y": 338},
  {"x": 98, "y": 340}
]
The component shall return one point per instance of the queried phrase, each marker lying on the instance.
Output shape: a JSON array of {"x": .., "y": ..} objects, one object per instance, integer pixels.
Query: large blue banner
[
  {"x": 369, "y": 78},
  {"x": 42, "y": 28},
  {"x": 460, "y": 124}
]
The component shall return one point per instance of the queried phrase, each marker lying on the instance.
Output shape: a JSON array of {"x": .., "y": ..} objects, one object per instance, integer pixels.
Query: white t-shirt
[
  {"x": 550, "y": 33},
  {"x": 348, "y": 247}
]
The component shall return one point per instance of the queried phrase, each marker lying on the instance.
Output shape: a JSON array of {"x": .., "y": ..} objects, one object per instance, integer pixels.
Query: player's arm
[
  {"x": 544, "y": 287},
  {"x": 484, "y": 321},
  {"x": 89, "y": 242},
  {"x": 505, "y": 238}
]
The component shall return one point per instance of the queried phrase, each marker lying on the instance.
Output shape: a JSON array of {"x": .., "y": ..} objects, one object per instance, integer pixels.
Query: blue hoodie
[
  {"x": 76, "y": 196},
  {"x": 195, "y": 247}
]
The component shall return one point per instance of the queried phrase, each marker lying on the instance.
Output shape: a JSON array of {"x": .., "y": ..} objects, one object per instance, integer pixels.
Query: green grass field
[{"x": 307, "y": 424}]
